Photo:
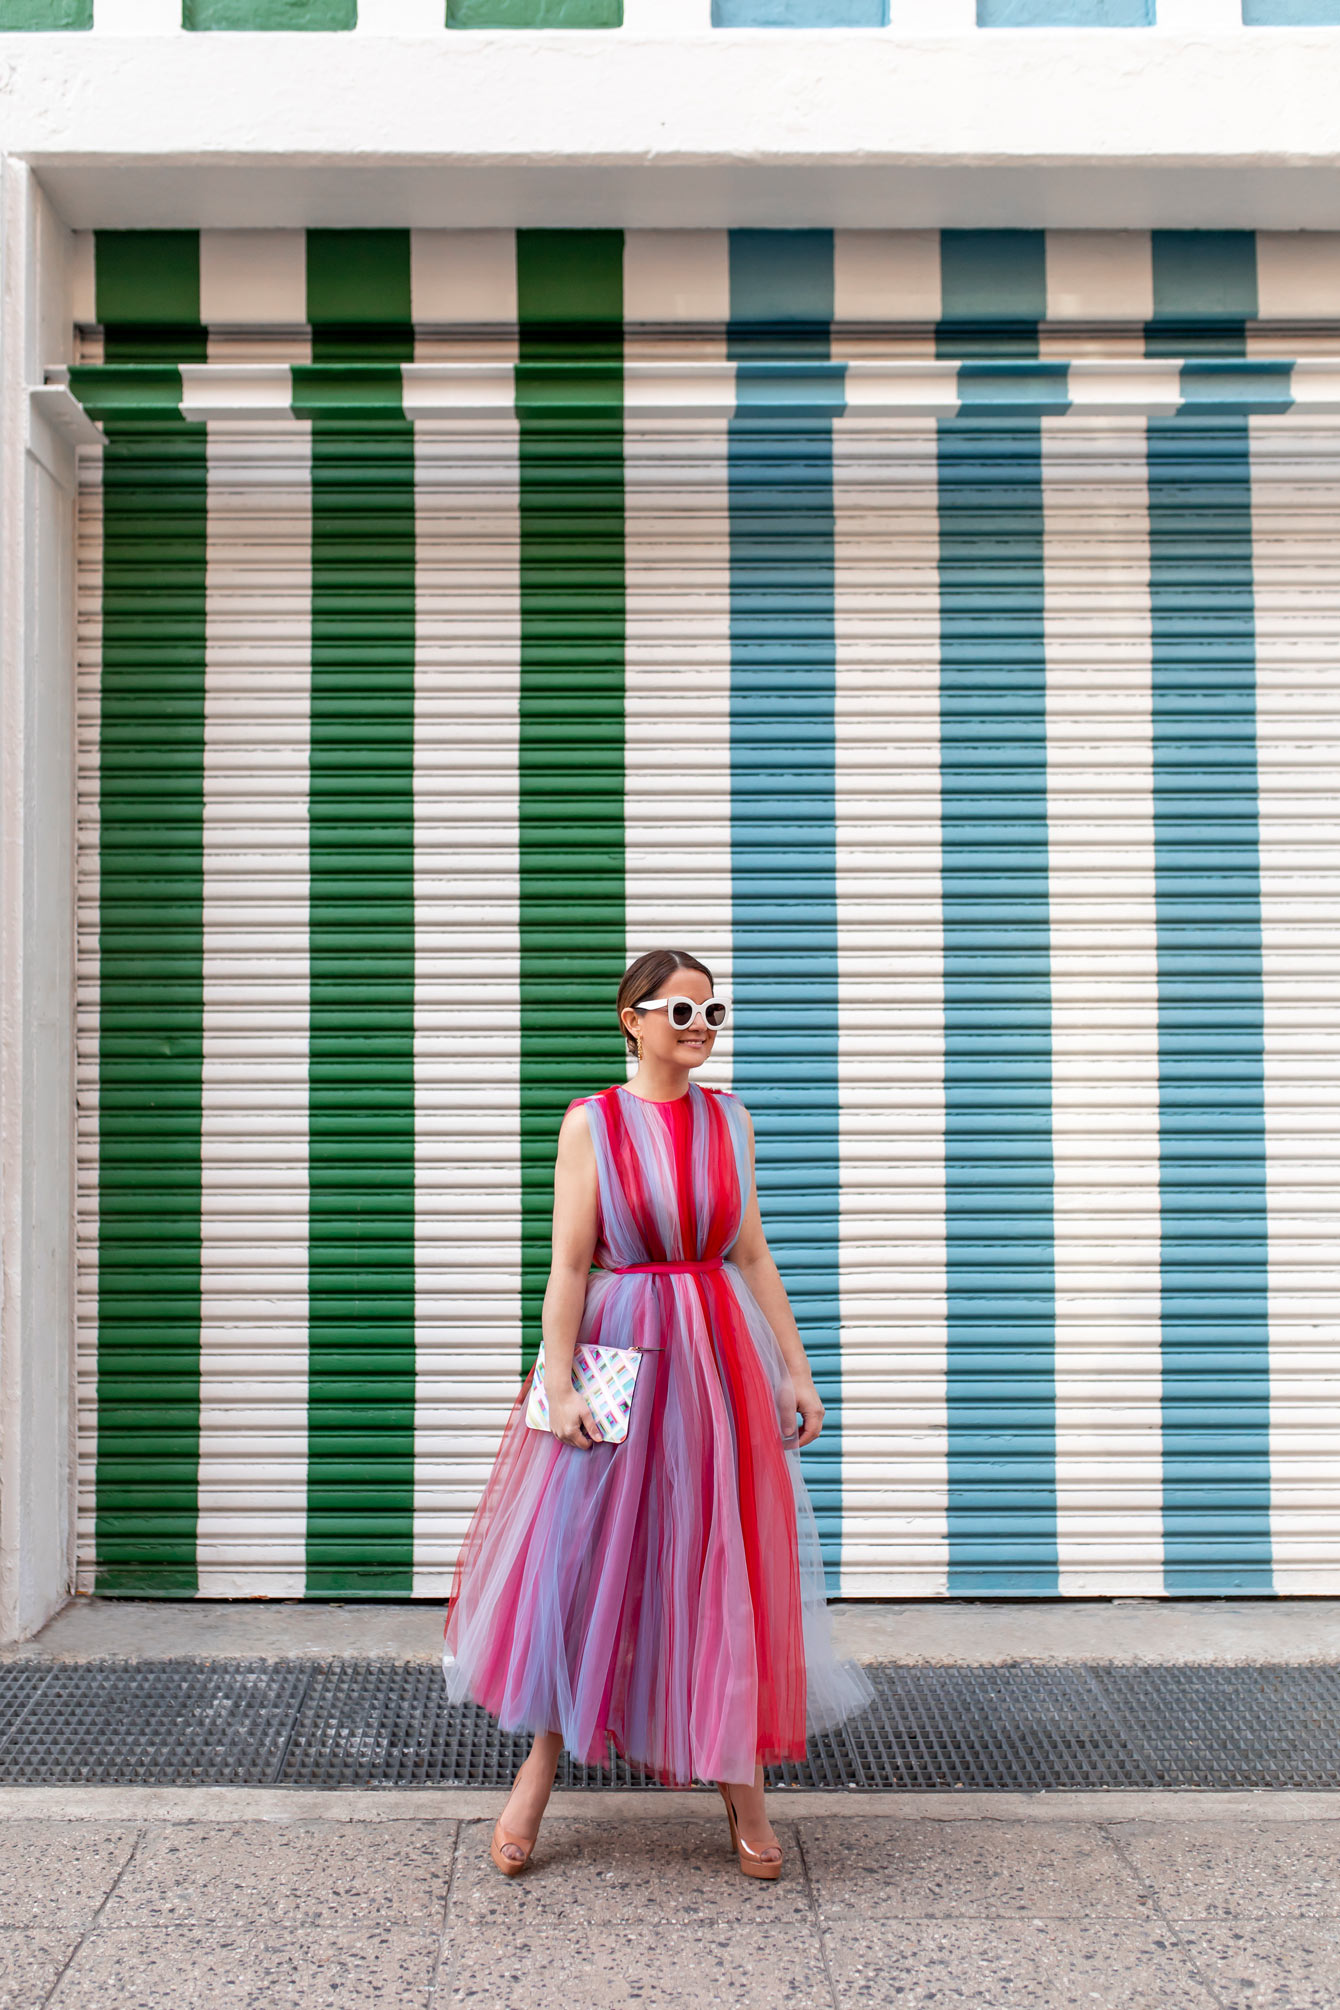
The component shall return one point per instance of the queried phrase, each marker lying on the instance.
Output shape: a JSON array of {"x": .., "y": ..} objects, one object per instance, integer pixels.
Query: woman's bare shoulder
[{"x": 575, "y": 1128}]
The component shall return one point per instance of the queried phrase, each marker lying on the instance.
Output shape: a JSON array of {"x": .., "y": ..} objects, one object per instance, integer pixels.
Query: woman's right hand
[{"x": 571, "y": 1420}]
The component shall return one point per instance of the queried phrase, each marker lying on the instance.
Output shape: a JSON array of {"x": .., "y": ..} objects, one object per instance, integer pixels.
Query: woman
[{"x": 666, "y": 1591}]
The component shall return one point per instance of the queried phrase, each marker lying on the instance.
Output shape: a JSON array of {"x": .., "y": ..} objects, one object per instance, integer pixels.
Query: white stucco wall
[
  {"x": 36, "y": 922},
  {"x": 929, "y": 122},
  {"x": 1203, "y": 123}
]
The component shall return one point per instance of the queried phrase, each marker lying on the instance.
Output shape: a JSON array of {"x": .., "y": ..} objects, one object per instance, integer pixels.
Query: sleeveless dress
[{"x": 665, "y": 1594}]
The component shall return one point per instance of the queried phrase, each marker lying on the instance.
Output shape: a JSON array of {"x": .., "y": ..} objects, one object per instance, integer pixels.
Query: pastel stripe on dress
[
  {"x": 251, "y": 1532},
  {"x": 1104, "y": 1009},
  {"x": 891, "y": 1013},
  {"x": 466, "y": 908},
  {"x": 151, "y": 806},
  {"x": 573, "y": 929},
  {"x": 360, "y": 1500},
  {"x": 1214, "y": 1264},
  {"x": 784, "y": 895},
  {"x": 677, "y": 708},
  {"x": 1296, "y": 588},
  {"x": 1000, "y": 1393}
]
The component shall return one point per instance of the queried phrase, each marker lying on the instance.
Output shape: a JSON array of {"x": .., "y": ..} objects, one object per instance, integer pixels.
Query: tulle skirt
[{"x": 664, "y": 1595}]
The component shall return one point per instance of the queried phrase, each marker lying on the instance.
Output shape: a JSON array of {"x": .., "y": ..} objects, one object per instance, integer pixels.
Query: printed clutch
[{"x": 603, "y": 1377}]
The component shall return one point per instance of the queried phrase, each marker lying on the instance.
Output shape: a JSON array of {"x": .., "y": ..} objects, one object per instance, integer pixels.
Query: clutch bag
[{"x": 603, "y": 1377}]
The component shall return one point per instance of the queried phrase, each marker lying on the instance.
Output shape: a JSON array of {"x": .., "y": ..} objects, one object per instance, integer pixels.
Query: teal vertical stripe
[
  {"x": 993, "y": 292},
  {"x": 1212, "y": 1163},
  {"x": 1204, "y": 292},
  {"x": 150, "y": 927},
  {"x": 999, "y": 1257},
  {"x": 360, "y": 1488},
  {"x": 1065, "y": 13},
  {"x": 1291, "y": 13},
  {"x": 783, "y": 863},
  {"x": 800, "y": 14}
]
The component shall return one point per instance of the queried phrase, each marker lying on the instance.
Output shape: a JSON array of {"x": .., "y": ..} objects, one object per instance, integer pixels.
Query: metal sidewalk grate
[{"x": 1023, "y": 1725}]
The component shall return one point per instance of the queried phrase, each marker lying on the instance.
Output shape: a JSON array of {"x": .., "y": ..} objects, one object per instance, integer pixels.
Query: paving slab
[
  {"x": 30, "y": 1961},
  {"x": 708, "y": 1967},
  {"x": 178, "y": 1968},
  {"x": 1255, "y": 1870},
  {"x": 53, "y": 1875},
  {"x": 1293, "y": 1965},
  {"x": 334, "y": 1806},
  {"x": 300, "y": 1876},
  {"x": 949, "y": 1905},
  {"x": 586, "y": 1873},
  {"x": 1012, "y": 1964},
  {"x": 878, "y": 1870}
]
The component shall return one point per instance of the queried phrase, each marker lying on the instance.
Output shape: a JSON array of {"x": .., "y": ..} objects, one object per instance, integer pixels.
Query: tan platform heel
[
  {"x": 509, "y": 1866},
  {"x": 751, "y": 1863}
]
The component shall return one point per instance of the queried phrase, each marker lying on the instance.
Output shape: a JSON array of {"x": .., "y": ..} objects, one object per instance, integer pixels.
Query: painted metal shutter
[
  {"x": 988, "y": 757},
  {"x": 299, "y": 1164}
]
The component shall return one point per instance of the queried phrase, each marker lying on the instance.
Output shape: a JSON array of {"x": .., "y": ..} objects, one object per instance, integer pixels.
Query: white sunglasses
[{"x": 683, "y": 1011}]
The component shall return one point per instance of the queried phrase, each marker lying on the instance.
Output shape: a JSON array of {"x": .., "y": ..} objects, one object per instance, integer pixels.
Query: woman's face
[{"x": 660, "y": 1041}]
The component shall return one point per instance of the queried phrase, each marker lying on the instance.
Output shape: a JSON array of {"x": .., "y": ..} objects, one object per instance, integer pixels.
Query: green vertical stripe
[
  {"x": 150, "y": 1040},
  {"x": 360, "y": 1487},
  {"x": 534, "y": 13},
  {"x": 292, "y": 15},
  {"x": 45, "y": 14},
  {"x": 569, "y": 399}
]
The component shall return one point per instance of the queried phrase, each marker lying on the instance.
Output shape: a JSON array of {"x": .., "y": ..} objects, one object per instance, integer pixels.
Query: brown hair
[{"x": 644, "y": 978}]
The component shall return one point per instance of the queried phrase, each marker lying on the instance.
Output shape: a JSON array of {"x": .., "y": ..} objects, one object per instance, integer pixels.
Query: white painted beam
[{"x": 886, "y": 130}]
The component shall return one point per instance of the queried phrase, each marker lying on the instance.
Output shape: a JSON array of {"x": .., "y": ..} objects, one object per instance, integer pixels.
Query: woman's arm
[
  {"x": 575, "y": 1224},
  {"x": 753, "y": 1259}
]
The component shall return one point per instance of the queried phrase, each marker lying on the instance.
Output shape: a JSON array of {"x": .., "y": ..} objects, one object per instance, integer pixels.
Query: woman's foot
[
  {"x": 751, "y": 1819},
  {"x": 526, "y": 1804}
]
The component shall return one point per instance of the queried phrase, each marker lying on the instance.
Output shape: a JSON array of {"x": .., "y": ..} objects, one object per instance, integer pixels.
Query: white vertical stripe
[
  {"x": 1104, "y": 1007},
  {"x": 882, "y": 277},
  {"x": 1298, "y": 276},
  {"x": 254, "y": 279},
  {"x": 461, "y": 279},
  {"x": 83, "y": 283},
  {"x": 676, "y": 278},
  {"x": 1296, "y": 568},
  {"x": 891, "y": 1011},
  {"x": 88, "y": 646},
  {"x": 677, "y": 805},
  {"x": 1100, "y": 275},
  {"x": 251, "y": 1534},
  {"x": 467, "y": 947}
]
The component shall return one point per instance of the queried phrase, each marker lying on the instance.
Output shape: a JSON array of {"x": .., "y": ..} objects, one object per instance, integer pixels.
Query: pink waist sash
[{"x": 667, "y": 1269}]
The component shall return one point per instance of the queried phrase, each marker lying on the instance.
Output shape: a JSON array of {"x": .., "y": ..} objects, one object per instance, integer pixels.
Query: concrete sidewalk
[
  {"x": 221, "y": 1898},
  {"x": 1131, "y": 1630},
  {"x": 226, "y": 1900}
]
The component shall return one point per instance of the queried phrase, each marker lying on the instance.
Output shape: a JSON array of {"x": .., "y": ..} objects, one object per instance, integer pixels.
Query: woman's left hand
[{"x": 811, "y": 1411}]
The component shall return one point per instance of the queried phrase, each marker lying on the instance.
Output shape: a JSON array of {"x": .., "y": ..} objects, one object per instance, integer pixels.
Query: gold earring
[{"x": 639, "y": 1046}]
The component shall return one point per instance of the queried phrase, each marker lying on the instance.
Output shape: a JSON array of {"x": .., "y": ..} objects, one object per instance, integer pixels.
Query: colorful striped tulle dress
[{"x": 665, "y": 1594}]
